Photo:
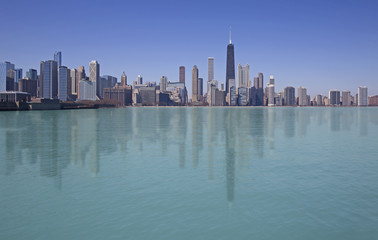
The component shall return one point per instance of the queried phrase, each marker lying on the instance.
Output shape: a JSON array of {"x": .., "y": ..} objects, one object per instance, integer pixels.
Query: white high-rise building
[
  {"x": 94, "y": 76},
  {"x": 362, "y": 96},
  {"x": 243, "y": 76},
  {"x": 270, "y": 91},
  {"x": 87, "y": 90},
  {"x": 302, "y": 96}
]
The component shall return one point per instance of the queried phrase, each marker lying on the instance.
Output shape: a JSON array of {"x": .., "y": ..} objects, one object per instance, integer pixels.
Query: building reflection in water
[{"x": 229, "y": 137}]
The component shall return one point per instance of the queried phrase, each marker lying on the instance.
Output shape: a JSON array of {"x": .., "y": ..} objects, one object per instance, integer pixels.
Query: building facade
[
  {"x": 123, "y": 80},
  {"x": 362, "y": 96},
  {"x": 58, "y": 58},
  {"x": 182, "y": 74},
  {"x": 87, "y": 90},
  {"x": 73, "y": 75},
  {"x": 163, "y": 83},
  {"x": 302, "y": 96},
  {"x": 5, "y": 67},
  {"x": 289, "y": 96},
  {"x": 230, "y": 65},
  {"x": 243, "y": 76},
  {"x": 80, "y": 76},
  {"x": 346, "y": 98},
  {"x": 94, "y": 76},
  {"x": 64, "y": 80},
  {"x": 334, "y": 98},
  {"x": 210, "y": 69},
  {"x": 195, "y": 87},
  {"x": 50, "y": 79}
]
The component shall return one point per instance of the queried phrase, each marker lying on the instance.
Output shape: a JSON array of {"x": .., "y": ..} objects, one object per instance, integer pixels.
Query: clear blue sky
[{"x": 317, "y": 44}]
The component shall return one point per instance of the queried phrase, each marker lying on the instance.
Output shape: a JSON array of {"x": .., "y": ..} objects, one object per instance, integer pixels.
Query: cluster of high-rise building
[{"x": 56, "y": 81}]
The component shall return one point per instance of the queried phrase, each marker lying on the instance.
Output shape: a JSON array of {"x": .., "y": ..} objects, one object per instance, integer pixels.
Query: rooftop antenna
[{"x": 230, "y": 35}]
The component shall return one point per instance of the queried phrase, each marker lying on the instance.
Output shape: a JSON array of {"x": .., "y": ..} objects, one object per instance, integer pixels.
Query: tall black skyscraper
[{"x": 230, "y": 68}]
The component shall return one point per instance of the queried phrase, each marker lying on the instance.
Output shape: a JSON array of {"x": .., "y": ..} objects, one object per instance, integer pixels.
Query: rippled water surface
[{"x": 189, "y": 173}]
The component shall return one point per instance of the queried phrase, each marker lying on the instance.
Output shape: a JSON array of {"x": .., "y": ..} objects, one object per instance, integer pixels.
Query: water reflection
[{"x": 213, "y": 138}]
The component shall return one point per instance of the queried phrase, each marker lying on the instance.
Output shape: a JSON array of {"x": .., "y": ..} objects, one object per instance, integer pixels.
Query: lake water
[{"x": 189, "y": 173}]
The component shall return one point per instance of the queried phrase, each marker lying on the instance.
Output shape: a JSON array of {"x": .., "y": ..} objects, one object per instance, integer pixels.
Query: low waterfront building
[
  {"x": 121, "y": 96},
  {"x": 13, "y": 96}
]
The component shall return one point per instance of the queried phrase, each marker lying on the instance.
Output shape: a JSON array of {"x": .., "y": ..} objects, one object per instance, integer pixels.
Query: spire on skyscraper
[{"x": 230, "y": 35}]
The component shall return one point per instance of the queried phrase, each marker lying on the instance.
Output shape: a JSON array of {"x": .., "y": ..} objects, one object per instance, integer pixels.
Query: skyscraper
[
  {"x": 94, "y": 76},
  {"x": 302, "y": 96},
  {"x": 74, "y": 81},
  {"x": 230, "y": 64},
  {"x": 210, "y": 69},
  {"x": 318, "y": 100},
  {"x": 362, "y": 96},
  {"x": 58, "y": 58},
  {"x": 195, "y": 93},
  {"x": 64, "y": 80},
  {"x": 87, "y": 90},
  {"x": 123, "y": 79},
  {"x": 258, "y": 83},
  {"x": 289, "y": 96},
  {"x": 139, "y": 80},
  {"x": 346, "y": 98},
  {"x": 40, "y": 80},
  {"x": 17, "y": 76},
  {"x": 163, "y": 83},
  {"x": 200, "y": 89},
  {"x": 271, "y": 93},
  {"x": 182, "y": 74},
  {"x": 334, "y": 97},
  {"x": 80, "y": 75},
  {"x": 261, "y": 80},
  {"x": 50, "y": 79},
  {"x": 32, "y": 74},
  {"x": 243, "y": 75},
  {"x": 4, "y": 68}
]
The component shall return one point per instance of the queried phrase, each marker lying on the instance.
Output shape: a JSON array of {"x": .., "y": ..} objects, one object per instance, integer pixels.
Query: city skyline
[{"x": 335, "y": 51}]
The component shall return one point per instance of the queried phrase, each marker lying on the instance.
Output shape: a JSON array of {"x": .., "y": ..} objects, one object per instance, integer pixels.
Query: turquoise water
[{"x": 189, "y": 173}]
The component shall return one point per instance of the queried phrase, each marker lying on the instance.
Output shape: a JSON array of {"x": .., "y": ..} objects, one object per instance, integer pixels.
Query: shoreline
[{"x": 9, "y": 106}]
